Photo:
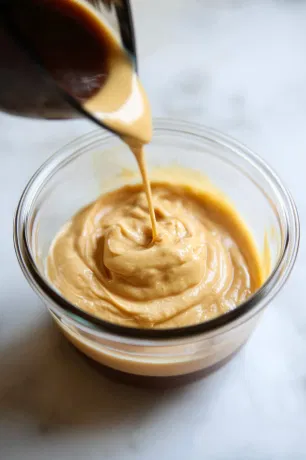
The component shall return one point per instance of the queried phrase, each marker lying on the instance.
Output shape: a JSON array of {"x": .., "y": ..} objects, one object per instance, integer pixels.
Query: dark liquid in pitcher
[{"x": 66, "y": 39}]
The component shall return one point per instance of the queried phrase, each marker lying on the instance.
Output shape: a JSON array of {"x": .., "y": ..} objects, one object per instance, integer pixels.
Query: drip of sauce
[{"x": 140, "y": 157}]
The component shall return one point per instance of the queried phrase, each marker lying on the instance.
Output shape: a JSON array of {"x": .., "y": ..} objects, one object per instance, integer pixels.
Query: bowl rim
[{"x": 251, "y": 306}]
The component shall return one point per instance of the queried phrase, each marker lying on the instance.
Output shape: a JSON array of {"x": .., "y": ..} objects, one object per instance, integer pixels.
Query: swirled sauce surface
[{"x": 202, "y": 264}]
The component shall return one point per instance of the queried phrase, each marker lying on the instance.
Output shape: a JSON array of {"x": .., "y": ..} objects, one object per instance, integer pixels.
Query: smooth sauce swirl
[{"x": 203, "y": 263}]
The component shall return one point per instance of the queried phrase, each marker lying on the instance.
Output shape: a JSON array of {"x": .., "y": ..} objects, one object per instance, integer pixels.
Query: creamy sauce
[
  {"x": 203, "y": 264},
  {"x": 170, "y": 258}
]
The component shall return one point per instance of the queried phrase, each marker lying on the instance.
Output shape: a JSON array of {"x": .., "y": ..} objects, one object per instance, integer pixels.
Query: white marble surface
[{"x": 238, "y": 66}]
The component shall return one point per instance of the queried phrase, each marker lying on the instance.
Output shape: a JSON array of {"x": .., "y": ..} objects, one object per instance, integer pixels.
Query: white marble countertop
[{"x": 238, "y": 66}]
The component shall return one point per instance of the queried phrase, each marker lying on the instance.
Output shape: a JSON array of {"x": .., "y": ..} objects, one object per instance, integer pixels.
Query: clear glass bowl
[{"x": 82, "y": 170}]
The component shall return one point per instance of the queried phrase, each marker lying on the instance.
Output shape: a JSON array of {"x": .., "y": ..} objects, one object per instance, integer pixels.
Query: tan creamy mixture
[
  {"x": 202, "y": 264},
  {"x": 176, "y": 258}
]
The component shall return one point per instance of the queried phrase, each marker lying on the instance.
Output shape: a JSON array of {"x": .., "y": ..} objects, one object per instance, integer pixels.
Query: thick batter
[{"x": 202, "y": 263}]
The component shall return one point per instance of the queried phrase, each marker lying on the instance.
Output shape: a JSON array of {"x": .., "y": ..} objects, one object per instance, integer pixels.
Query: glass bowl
[{"x": 97, "y": 162}]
